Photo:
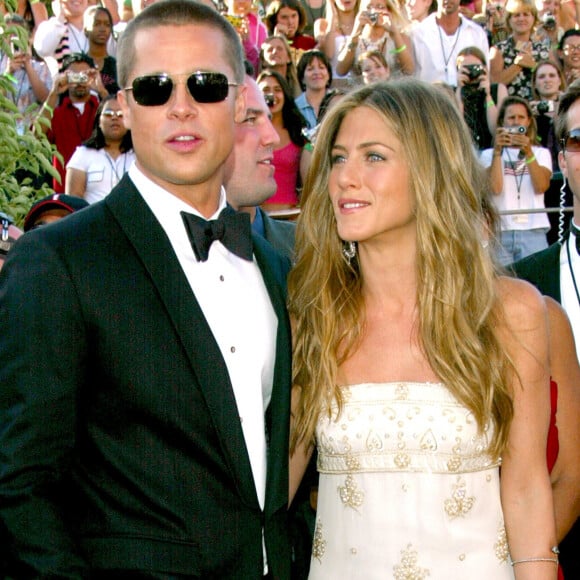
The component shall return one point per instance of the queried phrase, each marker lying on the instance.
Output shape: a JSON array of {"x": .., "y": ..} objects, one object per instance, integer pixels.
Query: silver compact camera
[
  {"x": 520, "y": 130},
  {"x": 75, "y": 78},
  {"x": 373, "y": 17}
]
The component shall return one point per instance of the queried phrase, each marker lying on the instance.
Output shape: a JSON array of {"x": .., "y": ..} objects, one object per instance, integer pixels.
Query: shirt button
[
  {"x": 222, "y": 278},
  {"x": 232, "y": 349}
]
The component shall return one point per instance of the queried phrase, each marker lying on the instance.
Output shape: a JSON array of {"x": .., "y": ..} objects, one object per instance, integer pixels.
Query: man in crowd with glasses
[
  {"x": 145, "y": 427},
  {"x": 556, "y": 270}
]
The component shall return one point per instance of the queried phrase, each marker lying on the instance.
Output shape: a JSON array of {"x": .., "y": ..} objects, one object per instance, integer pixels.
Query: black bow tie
[
  {"x": 576, "y": 233},
  {"x": 232, "y": 229}
]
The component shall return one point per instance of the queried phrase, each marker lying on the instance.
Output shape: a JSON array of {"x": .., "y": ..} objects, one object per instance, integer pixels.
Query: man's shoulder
[{"x": 541, "y": 268}]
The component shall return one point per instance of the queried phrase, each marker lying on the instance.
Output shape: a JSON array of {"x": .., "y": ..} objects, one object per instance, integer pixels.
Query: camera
[
  {"x": 548, "y": 21},
  {"x": 77, "y": 77},
  {"x": 269, "y": 98},
  {"x": 373, "y": 17},
  {"x": 474, "y": 71},
  {"x": 519, "y": 130},
  {"x": 542, "y": 107}
]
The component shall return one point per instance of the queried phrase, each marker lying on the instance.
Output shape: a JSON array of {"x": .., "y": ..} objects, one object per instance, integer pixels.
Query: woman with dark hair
[
  {"x": 98, "y": 27},
  {"x": 315, "y": 76},
  {"x": 373, "y": 67},
  {"x": 287, "y": 17},
  {"x": 520, "y": 173},
  {"x": 100, "y": 163},
  {"x": 479, "y": 100},
  {"x": 288, "y": 123}
]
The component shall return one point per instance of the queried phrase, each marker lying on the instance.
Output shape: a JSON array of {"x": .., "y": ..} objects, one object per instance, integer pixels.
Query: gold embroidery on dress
[
  {"x": 374, "y": 442},
  {"x": 401, "y": 392},
  {"x": 428, "y": 441},
  {"x": 408, "y": 569},
  {"x": 454, "y": 464},
  {"x": 459, "y": 505},
  {"x": 402, "y": 460},
  {"x": 349, "y": 493},
  {"x": 501, "y": 546},
  {"x": 352, "y": 463},
  {"x": 318, "y": 542}
]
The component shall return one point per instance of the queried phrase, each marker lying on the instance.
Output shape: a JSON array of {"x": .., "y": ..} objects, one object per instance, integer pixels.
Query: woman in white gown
[{"x": 418, "y": 369}]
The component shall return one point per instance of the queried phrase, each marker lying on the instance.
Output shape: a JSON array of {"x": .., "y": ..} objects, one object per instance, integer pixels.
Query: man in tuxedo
[
  {"x": 555, "y": 271},
  {"x": 249, "y": 171},
  {"x": 144, "y": 407}
]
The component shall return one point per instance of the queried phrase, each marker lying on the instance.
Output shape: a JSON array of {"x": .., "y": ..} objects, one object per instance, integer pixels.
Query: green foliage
[{"x": 24, "y": 148}]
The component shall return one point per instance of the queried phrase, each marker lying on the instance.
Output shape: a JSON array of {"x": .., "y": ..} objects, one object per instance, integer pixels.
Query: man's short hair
[
  {"x": 178, "y": 13},
  {"x": 565, "y": 102}
]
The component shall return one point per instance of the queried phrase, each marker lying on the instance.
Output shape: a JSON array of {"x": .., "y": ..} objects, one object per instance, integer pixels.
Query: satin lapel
[
  {"x": 208, "y": 367},
  {"x": 274, "y": 269}
]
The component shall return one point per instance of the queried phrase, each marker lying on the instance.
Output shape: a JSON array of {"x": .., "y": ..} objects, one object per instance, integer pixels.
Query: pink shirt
[{"x": 287, "y": 164}]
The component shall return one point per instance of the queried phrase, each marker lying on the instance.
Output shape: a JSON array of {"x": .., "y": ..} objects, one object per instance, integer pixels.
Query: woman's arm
[
  {"x": 525, "y": 485},
  {"x": 75, "y": 182},
  {"x": 300, "y": 457},
  {"x": 565, "y": 476},
  {"x": 497, "y": 72}
]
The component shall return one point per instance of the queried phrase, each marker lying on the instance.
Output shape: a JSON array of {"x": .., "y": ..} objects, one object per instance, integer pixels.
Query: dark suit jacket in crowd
[
  {"x": 120, "y": 441},
  {"x": 279, "y": 233}
]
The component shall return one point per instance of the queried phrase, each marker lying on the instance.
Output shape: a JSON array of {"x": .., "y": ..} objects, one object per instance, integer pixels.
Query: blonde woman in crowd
[
  {"x": 418, "y": 370},
  {"x": 378, "y": 26}
]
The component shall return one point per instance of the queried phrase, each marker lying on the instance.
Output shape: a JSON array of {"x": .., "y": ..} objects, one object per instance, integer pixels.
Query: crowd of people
[
  {"x": 482, "y": 51},
  {"x": 178, "y": 360}
]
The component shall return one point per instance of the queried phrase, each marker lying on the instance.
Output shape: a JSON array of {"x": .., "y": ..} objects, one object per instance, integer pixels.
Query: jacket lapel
[
  {"x": 154, "y": 250},
  {"x": 274, "y": 269}
]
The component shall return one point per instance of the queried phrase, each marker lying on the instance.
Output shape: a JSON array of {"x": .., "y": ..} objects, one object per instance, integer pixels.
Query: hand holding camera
[{"x": 515, "y": 136}]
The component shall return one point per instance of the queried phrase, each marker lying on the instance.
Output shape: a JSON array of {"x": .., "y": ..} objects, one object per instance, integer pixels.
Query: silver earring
[{"x": 349, "y": 251}]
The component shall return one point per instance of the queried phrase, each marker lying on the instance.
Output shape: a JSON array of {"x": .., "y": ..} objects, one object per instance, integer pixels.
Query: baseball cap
[{"x": 70, "y": 203}]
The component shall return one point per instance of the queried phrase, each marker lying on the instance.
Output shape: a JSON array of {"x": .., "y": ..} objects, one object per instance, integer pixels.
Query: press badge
[{"x": 521, "y": 218}]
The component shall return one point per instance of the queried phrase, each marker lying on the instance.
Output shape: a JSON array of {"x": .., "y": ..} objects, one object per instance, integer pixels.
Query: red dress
[{"x": 553, "y": 446}]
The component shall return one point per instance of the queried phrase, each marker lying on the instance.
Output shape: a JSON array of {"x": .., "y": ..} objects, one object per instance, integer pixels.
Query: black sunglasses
[
  {"x": 571, "y": 141},
  {"x": 204, "y": 87}
]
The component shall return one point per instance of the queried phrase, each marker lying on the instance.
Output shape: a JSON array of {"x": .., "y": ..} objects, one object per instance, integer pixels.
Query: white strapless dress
[{"x": 407, "y": 489}]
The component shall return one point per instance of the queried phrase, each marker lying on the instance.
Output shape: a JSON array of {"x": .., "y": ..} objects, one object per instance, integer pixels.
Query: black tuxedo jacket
[
  {"x": 542, "y": 269},
  {"x": 279, "y": 233},
  {"x": 120, "y": 441}
]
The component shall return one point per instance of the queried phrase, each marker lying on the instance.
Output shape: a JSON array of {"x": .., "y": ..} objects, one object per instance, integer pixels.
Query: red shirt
[{"x": 68, "y": 130}]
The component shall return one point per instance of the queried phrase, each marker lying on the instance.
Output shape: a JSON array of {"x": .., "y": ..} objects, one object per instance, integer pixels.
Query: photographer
[
  {"x": 519, "y": 175},
  {"x": 72, "y": 120},
  {"x": 548, "y": 84},
  {"x": 478, "y": 100}
]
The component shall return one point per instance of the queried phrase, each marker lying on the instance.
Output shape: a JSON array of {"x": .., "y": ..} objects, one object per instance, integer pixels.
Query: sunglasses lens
[
  {"x": 208, "y": 87},
  {"x": 152, "y": 91},
  {"x": 572, "y": 143}
]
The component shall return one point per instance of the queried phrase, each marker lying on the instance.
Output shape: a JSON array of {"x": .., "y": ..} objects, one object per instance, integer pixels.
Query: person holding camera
[
  {"x": 513, "y": 60},
  {"x": 378, "y": 26},
  {"x": 478, "y": 100},
  {"x": 72, "y": 120},
  {"x": 519, "y": 174}
]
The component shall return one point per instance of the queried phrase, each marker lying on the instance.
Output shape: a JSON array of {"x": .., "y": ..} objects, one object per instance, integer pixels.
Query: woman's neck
[
  {"x": 521, "y": 36},
  {"x": 315, "y": 97},
  {"x": 280, "y": 68},
  {"x": 97, "y": 51},
  {"x": 113, "y": 148}
]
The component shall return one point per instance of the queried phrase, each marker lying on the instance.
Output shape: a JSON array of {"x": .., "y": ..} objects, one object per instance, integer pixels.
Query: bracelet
[
  {"x": 554, "y": 560},
  {"x": 399, "y": 50},
  {"x": 489, "y": 104},
  {"x": 352, "y": 44},
  {"x": 530, "y": 159},
  {"x": 496, "y": 153}
]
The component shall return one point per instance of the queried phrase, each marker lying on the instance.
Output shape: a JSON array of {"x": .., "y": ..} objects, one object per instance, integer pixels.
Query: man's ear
[
  {"x": 122, "y": 100},
  {"x": 240, "y": 104},
  {"x": 562, "y": 163}
]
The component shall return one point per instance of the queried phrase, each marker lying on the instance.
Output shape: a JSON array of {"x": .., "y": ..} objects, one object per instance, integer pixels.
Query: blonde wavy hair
[{"x": 458, "y": 310}]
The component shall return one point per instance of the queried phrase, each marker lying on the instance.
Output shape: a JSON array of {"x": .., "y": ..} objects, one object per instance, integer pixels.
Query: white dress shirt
[
  {"x": 235, "y": 302},
  {"x": 567, "y": 291}
]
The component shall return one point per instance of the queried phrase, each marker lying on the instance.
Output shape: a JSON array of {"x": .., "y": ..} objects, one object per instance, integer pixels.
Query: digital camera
[
  {"x": 474, "y": 71},
  {"x": 373, "y": 17},
  {"x": 269, "y": 98},
  {"x": 519, "y": 130},
  {"x": 75, "y": 78},
  {"x": 548, "y": 21},
  {"x": 542, "y": 107}
]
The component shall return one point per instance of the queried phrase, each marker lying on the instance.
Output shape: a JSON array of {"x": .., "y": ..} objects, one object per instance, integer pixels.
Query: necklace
[
  {"x": 114, "y": 172},
  {"x": 516, "y": 167},
  {"x": 82, "y": 47},
  {"x": 447, "y": 58}
]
